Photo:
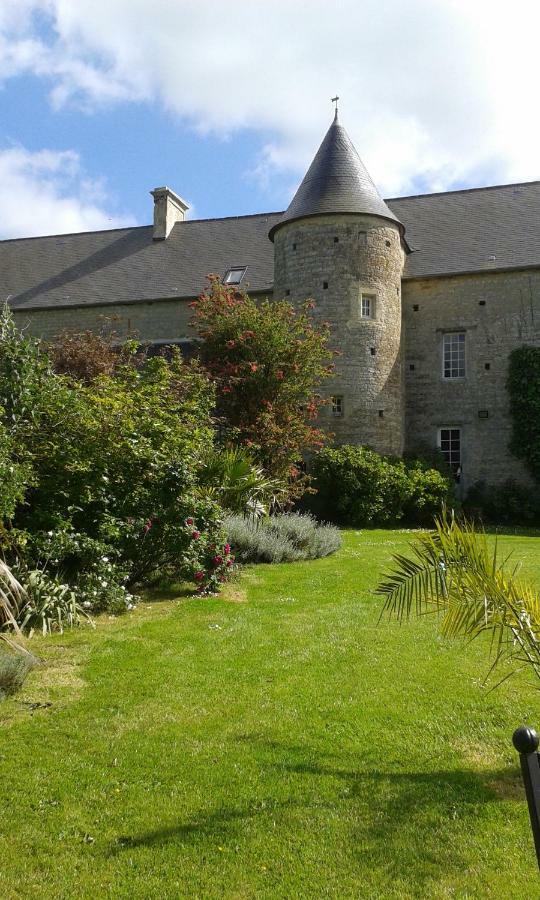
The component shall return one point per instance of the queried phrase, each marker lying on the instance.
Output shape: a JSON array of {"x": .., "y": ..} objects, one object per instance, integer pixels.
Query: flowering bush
[
  {"x": 111, "y": 475},
  {"x": 266, "y": 360}
]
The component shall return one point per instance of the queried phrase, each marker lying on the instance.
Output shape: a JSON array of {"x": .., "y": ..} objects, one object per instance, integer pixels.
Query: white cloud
[
  {"x": 434, "y": 92},
  {"x": 48, "y": 193}
]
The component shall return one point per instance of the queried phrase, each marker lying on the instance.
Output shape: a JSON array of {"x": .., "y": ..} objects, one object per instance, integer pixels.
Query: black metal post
[{"x": 526, "y": 741}]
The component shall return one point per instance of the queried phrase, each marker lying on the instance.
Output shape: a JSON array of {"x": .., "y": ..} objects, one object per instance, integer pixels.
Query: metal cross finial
[{"x": 335, "y": 100}]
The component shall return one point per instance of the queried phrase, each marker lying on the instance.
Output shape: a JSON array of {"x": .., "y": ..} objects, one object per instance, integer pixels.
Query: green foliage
[
  {"x": 14, "y": 668},
  {"x": 524, "y": 391},
  {"x": 454, "y": 572},
  {"x": 506, "y": 504},
  {"x": 231, "y": 475},
  {"x": 15, "y": 477},
  {"x": 266, "y": 361},
  {"x": 109, "y": 472},
  {"x": 283, "y": 538},
  {"x": 356, "y": 486},
  {"x": 50, "y": 605}
]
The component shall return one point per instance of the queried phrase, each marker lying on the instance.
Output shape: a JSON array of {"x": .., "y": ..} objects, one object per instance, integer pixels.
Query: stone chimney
[{"x": 169, "y": 208}]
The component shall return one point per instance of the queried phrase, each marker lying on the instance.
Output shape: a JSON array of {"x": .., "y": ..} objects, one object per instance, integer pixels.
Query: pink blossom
[
  {"x": 196, "y": 535},
  {"x": 199, "y": 575},
  {"x": 217, "y": 560},
  {"x": 190, "y": 521},
  {"x": 227, "y": 548}
]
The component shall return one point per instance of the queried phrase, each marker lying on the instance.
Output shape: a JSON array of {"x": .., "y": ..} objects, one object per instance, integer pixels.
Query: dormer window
[{"x": 234, "y": 275}]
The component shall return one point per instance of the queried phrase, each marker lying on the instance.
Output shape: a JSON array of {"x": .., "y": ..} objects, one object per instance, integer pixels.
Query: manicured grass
[{"x": 278, "y": 743}]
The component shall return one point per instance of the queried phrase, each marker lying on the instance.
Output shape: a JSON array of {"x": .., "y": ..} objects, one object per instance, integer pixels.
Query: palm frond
[{"x": 455, "y": 572}]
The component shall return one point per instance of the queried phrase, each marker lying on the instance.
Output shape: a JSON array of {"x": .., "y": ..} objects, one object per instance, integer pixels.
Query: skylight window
[{"x": 234, "y": 275}]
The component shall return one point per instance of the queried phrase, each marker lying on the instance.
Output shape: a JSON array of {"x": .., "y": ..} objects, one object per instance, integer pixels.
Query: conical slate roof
[{"x": 336, "y": 182}]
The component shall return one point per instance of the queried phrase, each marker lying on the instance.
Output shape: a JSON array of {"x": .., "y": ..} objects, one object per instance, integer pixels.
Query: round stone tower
[{"x": 341, "y": 246}]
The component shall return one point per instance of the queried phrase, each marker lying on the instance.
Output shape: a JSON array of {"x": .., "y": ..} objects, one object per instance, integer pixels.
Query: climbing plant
[{"x": 524, "y": 391}]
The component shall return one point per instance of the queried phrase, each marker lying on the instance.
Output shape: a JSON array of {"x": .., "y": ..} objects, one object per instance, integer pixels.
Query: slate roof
[
  {"x": 127, "y": 265},
  {"x": 477, "y": 230},
  {"x": 336, "y": 182}
]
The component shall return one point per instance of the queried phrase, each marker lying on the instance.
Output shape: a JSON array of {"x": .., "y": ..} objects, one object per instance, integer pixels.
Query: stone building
[{"x": 426, "y": 296}]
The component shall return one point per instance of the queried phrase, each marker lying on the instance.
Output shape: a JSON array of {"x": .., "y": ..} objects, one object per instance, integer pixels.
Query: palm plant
[
  {"x": 241, "y": 486},
  {"x": 456, "y": 574}
]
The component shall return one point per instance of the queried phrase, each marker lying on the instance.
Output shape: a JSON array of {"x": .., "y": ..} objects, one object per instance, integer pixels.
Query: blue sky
[{"x": 226, "y": 102}]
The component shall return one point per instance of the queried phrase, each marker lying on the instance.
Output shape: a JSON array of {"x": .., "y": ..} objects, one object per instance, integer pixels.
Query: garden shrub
[
  {"x": 282, "y": 538},
  {"x": 14, "y": 668},
  {"x": 523, "y": 386},
  {"x": 232, "y": 477},
  {"x": 111, "y": 471},
  {"x": 356, "y": 486},
  {"x": 50, "y": 604},
  {"x": 267, "y": 361},
  {"x": 506, "y": 504}
]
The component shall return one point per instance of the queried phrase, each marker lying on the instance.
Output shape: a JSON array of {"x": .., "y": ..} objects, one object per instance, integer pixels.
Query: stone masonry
[{"x": 335, "y": 260}]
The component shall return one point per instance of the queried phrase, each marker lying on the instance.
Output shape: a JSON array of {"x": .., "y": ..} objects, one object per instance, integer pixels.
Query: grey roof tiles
[
  {"x": 336, "y": 182},
  {"x": 461, "y": 231}
]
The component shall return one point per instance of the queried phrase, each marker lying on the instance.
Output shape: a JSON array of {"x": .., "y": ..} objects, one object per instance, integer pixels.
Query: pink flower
[
  {"x": 227, "y": 548},
  {"x": 217, "y": 560},
  {"x": 190, "y": 521},
  {"x": 199, "y": 575},
  {"x": 229, "y": 562},
  {"x": 196, "y": 535}
]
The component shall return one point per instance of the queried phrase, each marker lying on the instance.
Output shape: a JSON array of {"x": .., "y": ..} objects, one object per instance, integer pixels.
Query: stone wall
[
  {"x": 497, "y": 312},
  {"x": 151, "y": 321},
  {"x": 333, "y": 260}
]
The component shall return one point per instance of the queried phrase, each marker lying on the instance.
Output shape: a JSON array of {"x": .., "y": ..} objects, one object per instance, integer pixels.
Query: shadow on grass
[
  {"x": 403, "y": 820},
  {"x": 512, "y": 530},
  {"x": 168, "y": 590}
]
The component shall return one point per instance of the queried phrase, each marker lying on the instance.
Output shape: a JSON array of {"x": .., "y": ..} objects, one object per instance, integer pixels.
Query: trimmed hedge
[{"x": 356, "y": 486}]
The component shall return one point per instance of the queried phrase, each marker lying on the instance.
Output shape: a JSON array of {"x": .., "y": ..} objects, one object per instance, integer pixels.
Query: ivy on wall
[{"x": 524, "y": 390}]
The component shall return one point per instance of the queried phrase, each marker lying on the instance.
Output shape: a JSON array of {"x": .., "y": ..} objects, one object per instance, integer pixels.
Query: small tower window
[
  {"x": 337, "y": 406},
  {"x": 234, "y": 275},
  {"x": 336, "y": 240},
  {"x": 325, "y": 285},
  {"x": 367, "y": 306}
]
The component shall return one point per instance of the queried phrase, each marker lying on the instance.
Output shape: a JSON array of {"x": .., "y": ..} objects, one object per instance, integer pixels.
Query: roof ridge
[
  {"x": 40, "y": 237},
  {"x": 278, "y": 212},
  {"x": 470, "y": 190}
]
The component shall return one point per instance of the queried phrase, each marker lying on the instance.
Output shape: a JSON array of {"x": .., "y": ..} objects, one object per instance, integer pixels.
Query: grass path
[{"x": 275, "y": 744}]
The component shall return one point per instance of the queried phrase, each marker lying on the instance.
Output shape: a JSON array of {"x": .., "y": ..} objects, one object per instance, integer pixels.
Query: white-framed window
[
  {"x": 367, "y": 306},
  {"x": 449, "y": 443},
  {"x": 337, "y": 406},
  {"x": 234, "y": 275},
  {"x": 453, "y": 352}
]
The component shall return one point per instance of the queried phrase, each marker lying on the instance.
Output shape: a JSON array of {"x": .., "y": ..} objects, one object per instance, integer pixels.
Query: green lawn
[{"x": 276, "y": 743}]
